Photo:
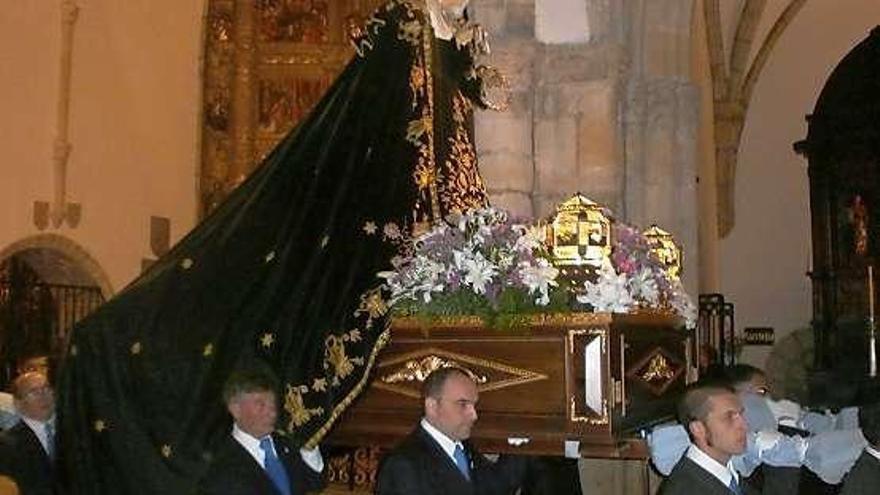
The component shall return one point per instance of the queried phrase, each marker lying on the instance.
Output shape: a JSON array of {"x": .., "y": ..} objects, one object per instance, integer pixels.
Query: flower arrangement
[
  {"x": 481, "y": 262},
  {"x": 484, "y": 263},
  {"x": 634, "y": 278}
]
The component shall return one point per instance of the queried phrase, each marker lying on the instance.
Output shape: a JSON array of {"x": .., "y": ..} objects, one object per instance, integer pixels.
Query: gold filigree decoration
[
  {"x": 186, "y": 263},
  {"x": 267, "y": 340},
  {"x": 410, "y": 32},
  {"x": 373, "y": 305},
  {"x": 136, "y": 348},
  {"x": 658, "y": 370},
  {"x": 416, "y": 83},
  {"x": 99, "y": 425},
  {"x": 296, "y": 407},
  {"x": 417, "y": 370},
  {"x": 319, "y": 385},
  {"x": 370, "y": 228},
  {"x": 208, "y": 350},
  {"x": 460, "y": 185},
  {"x": 167, "y": 451},
  {"x": 335, "y": 356},
  {"x": 489, "y": 375}
]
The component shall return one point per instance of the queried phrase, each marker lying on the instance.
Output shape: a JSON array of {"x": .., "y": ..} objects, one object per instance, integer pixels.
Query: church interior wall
[
  {"x": 765, "y": 258},
  {"x": 133, "y": 125}
]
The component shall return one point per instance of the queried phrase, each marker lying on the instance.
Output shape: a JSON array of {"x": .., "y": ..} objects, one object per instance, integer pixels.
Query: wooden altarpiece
[{"x": 266, "y": 64}]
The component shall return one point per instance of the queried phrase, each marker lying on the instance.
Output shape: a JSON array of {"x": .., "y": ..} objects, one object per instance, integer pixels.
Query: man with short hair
[
  {"x": 254, "y": 459},
  {"x": 713, "y": 417},
  {"x": 27, "y": 450},
  {"x": 436, "y": 458},
  {"x": 864, "y": 477}
]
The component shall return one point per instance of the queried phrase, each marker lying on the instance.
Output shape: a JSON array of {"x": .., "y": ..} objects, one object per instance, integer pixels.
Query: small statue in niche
[{"x": 859, "y": 212}]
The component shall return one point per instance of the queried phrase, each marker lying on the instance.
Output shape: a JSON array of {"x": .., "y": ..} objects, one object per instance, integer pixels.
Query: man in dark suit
[
  {"x": 436, "y": 458},
  {"x": 27, "y": 450},
  {"x": 713, "y": 416},
  {"x": 864, "y": 477},
  {"x": 253, "y": 460}
]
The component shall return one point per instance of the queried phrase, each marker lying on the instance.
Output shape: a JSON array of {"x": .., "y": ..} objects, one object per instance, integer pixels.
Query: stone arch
[{"x": 58, "y": 259}]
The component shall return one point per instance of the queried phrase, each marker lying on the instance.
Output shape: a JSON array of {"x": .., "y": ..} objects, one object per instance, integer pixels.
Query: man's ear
[
  {"x": 234, "y": 408},
  {"x": 430, "y": 405},
  {"x": 697, "y": 430}
]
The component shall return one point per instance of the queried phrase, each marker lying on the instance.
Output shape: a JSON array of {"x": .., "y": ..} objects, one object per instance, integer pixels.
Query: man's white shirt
[
  {"x": 311, "y": 457},
  {"x": 447, "y": 444},
  {"x": 715, "y": 468},
  {"x": 39, "y": 429}
]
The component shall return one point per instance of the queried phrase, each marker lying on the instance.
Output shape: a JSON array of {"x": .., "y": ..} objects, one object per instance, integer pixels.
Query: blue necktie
[
  {"x": 461, "y": 461},
  {"x": 734, "y": 486},
  {"x": 50, "y": 440},
  {"x": 274, "y": 468}
]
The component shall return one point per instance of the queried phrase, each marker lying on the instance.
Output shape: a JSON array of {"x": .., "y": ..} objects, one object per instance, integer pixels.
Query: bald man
[{"x": 27, "y": 450}]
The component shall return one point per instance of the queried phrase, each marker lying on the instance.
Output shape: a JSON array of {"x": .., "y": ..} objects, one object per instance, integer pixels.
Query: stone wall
[{"x": 614, "y": 117}]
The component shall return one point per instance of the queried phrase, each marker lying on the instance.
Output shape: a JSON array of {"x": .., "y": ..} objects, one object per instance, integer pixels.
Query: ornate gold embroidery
[
  {"x": 186, "y": 263},
  {"x": 100, "y": 425},
  {"x": 373, "y": 305},
  {"x": 267, "y": 340},
  {"x": 334, "y": 355},
  {"x": 167, "y": 451},
  {"x": 460, "y": 184},
  {"x": 208, "y": 350},
  {"x": 136, "y": 348},
  {"x": 296, "y": 407},
  {"x": 416, "y": 83}
]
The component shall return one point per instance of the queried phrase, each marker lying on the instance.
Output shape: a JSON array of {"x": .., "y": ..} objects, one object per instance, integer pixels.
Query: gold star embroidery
[
  {"x": 186, "y": 264},
  {"x": 370, "y": 228},
  {"x": 319, "y": 385},
  {"x": 208, "y": 350},
  {"x": 136, "y": 348},
  {"x": 267, "y": 340},
  {"x": 354, "y": 335},
  {"x": 166, "y": 451},
  {"x": 324, "y": 241},
  {"x": 391, "y": 231},
  {"x": 269, "y": 257},
  {"x": 100, "y": 425}
]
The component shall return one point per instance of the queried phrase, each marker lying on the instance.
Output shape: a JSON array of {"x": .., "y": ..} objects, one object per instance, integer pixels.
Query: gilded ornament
[
  {"x": 373, "y": 305},
  {"x": 267, "y": 340},
  {"x": 296, "y": 407},
  {"x": 579, "y": 235},
  {"x": 370, "y": 228},
  {"x": 663, "y": 246},
  {"x": 418, "y": 370},
  {"x": 166, "y": 451},
  {"x": 186, "y": 263},
  {"x": 658, "y": 370},
  {"x": 100, "y": 425},
  {"x": 335, "y": 356},
  {"x": 136, "y": 348},
  {"x": 319, "y": 385},
  {"x": 208, "y": 350}
]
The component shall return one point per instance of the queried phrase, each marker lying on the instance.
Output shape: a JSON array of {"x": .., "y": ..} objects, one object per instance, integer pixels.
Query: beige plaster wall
[
  {"x": 765, "y": 259},
  {"x": 134, "y": 127}
]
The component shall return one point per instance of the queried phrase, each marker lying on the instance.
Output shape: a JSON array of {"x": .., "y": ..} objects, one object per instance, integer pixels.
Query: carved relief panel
[{"x": 267, "y": 62}]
